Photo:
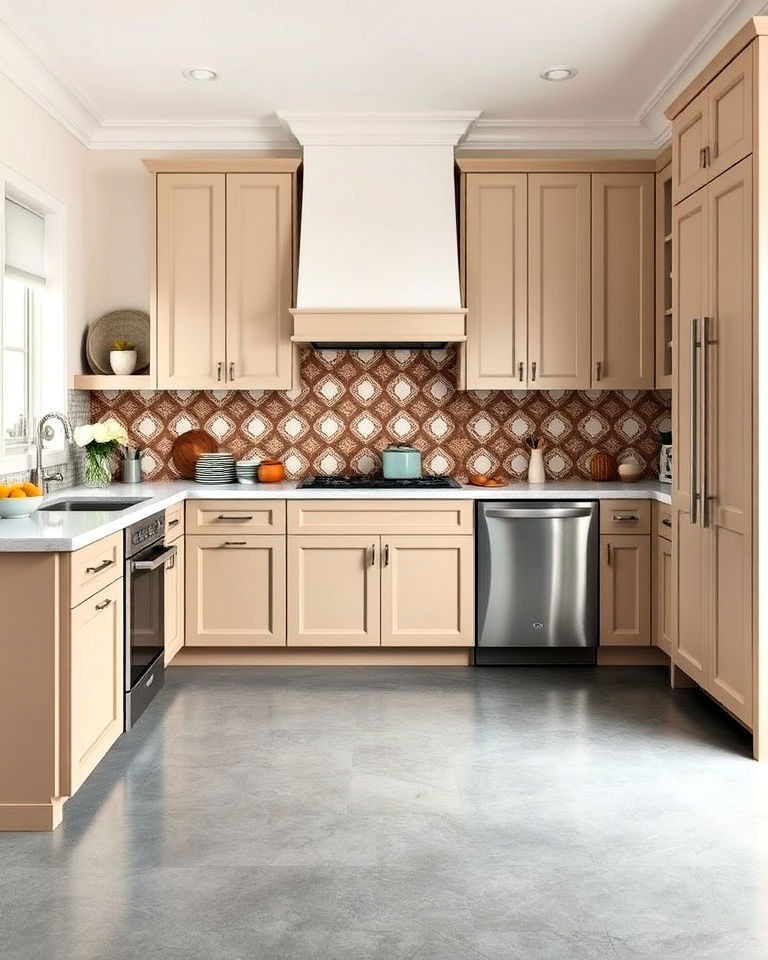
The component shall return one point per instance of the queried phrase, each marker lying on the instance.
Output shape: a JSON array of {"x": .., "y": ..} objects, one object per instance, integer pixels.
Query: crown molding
[
  {"x": 561, "y": 135},
  {"x": 379, "y": 129},
  {"x": 192, "y": 135}
]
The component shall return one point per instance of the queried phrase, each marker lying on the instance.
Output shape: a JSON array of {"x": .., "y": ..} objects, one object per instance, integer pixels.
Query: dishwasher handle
[{"x": 539, "y": 513}]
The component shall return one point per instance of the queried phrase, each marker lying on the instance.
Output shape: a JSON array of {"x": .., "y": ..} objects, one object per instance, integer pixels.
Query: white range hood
[{"x": 378, "y": 252}]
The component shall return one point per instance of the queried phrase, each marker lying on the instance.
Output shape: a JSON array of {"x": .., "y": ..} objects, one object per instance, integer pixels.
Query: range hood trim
[{"x": 345, "y": 326}]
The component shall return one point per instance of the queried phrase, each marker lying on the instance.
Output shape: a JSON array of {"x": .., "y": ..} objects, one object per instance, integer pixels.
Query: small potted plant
[
  {"x": 100, "y": 441},
  {"x": 122, "y": 358}
]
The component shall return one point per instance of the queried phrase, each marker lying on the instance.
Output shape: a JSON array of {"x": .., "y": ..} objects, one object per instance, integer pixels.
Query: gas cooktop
[{"x": 378, "y": 483}]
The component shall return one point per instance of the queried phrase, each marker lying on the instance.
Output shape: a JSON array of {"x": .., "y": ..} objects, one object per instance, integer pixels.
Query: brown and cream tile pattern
[{"x": 352, "y": 404}]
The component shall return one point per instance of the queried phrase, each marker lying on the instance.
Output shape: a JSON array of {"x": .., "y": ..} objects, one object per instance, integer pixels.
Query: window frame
[{"x": 48, "y": 361}]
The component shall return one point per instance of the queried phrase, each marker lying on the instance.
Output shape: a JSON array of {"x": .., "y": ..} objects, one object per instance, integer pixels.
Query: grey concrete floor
[{"x": 405, "y": 814}]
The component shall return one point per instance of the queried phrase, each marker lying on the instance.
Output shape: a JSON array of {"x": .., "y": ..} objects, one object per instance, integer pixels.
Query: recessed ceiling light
[
  {"x": 559, "y": 73},
  {"x": 200, "y": 73}
]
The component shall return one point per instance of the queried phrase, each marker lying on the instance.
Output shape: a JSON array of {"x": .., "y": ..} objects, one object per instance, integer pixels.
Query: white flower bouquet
[{"x": 100, "y": 441}]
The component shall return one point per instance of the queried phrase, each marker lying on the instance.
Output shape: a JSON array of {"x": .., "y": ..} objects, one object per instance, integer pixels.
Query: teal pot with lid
[{"x": 401, "y": 462}]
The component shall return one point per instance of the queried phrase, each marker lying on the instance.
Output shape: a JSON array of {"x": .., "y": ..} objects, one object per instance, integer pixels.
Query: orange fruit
[
  {"x": 31, "y": 489},
  {"x": 4, "y": 491},
  {"x": 16, "y": 492}
]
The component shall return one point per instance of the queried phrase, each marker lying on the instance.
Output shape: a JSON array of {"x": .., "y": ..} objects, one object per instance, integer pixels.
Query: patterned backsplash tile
[{"x": 352, "y": 404}]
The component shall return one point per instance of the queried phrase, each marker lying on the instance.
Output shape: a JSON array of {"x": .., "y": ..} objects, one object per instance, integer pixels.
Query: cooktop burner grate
[{"x": 378, "y": 483}]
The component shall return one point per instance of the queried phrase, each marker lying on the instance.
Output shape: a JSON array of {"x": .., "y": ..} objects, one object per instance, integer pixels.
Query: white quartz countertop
[{"x": 63, "y": 531}]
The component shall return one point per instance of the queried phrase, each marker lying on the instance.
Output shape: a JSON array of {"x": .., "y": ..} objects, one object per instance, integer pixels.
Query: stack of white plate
[
  {"x": 215, "y": 468},
  {"x": 246, "y": 471}
]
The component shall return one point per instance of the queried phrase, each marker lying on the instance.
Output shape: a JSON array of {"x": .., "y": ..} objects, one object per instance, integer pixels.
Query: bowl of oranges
[{"x": 19, "y": 500}]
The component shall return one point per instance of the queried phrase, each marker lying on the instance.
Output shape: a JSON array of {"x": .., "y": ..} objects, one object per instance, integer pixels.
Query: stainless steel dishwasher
[{"x": 537, "y": 582}]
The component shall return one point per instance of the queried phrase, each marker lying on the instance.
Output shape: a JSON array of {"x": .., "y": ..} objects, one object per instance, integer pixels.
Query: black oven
[{"x": 146, "y": 557}]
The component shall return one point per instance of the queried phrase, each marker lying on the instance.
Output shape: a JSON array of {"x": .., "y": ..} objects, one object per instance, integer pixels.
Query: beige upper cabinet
[
  {"x": 191, "y": 280},
  {"x": 497, "y": 280},
  {"x": 235, "y": 591},
  {"x": 333, "y": 591},
  {"x": 625, "y": 590},
  {"x": 224, "y": 278},
  {"x": 623, "y": 280},
  {"x": 427, "y": 587},
  {"x": 664, "y": 322},
  {"x": 259, "y": 281},
  {"x": 715, "y": 130},
  {"x": 559, "y": 230}
]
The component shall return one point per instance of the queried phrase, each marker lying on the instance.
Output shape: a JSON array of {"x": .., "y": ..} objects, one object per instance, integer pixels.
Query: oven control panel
[{"x": 145, "y": 533}]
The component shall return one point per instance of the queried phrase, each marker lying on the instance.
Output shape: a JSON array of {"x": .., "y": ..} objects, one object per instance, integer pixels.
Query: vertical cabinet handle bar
[
  {"x": 386, "y": 554},
  {"x": 219, "y": 368},
  {"x": 533, "y": 371},
  {"x": 598, "y": 371},
  {"x": 373, "y": 554},
  {"x": 520, "y": 369},
  {"x": 706, "y": 330},
  {"x": 694, "y": 425},
  {"x": 232, "y": 370},
  {"x": 608, "y": 554}
]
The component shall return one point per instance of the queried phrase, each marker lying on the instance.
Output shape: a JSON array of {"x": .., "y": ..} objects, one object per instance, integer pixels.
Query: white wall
[{"x": 40, "y": 150}]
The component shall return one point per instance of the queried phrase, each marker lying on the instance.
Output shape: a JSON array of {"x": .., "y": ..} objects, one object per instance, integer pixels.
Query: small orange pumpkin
[
  {"x": 271, "y": 471},
  {"x": 602, "y": 467}
]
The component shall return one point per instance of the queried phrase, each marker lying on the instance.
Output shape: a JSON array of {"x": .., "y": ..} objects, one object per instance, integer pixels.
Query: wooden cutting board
[{"x": 188, "y": 447}]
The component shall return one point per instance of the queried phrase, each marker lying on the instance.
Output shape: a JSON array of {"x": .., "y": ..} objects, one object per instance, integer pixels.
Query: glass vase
[{"x": 98, "y": 468}]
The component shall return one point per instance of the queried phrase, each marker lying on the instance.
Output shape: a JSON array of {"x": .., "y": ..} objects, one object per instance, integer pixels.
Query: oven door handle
[{"x": 164, "y": 557}]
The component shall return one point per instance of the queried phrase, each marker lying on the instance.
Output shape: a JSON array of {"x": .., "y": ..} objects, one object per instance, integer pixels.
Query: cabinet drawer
[
  {"x": 174, "y": 522},
  {"x": 374, "y": 517},
  {"x": 625, "y": 516},
  {"x": 224, "y": 517},
  {"x": 94, "y": 567},
  {"x": 662, "y": 520}
]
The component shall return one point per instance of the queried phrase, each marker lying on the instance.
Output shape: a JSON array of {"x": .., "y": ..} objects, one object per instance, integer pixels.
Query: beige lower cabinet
[
  {"x": 625, "y": 590},
  {"x": 333, "y": 591},
  {"x": 662, "y": 594},
  {"x": 235, "y": 591},
  {"x": 427, "y": 591},
  {"x": 174, "y": 601},
  {"x": 95, "y": 690}
]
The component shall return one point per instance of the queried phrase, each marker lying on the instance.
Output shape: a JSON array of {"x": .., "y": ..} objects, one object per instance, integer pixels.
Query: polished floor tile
[{"x": 405, "y": 814}]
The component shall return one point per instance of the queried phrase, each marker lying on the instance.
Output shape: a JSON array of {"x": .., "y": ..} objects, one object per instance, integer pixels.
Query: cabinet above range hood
[{"x": 378, "y": 252}]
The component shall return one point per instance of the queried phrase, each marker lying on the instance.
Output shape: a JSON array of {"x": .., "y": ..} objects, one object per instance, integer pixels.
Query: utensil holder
[
  {"x": 131, "y": 472},
  {"x": 536, "y": 472}
]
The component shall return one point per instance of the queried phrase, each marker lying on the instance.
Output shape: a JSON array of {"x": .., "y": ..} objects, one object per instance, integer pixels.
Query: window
[{"x": 23, "y": 299}]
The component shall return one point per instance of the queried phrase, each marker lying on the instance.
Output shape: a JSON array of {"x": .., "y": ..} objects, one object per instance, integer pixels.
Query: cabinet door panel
[
  {"x": 662, "y": 595},
  {"x": 191, "y": 274},
  {"x": 259, "y": 281},
  {"x": 497, "y": 280},
  {"x": 625, "y": 591},
  {"x": 730, "y": 114},
  {"x": 727, "y": 485},
  {"x": 690, "y": 135},
  {"x": 96, "y": 681},
  {"x": 174, "y": 602},
  {"x": 235, "y": 593},
  {"x": 623, "y": 281},
  {"x": 427, "y": 591},
  {"x": 333, "y": 591},
  {"x": 689, "y": 610},
  {"x": 559, "y": 220}
]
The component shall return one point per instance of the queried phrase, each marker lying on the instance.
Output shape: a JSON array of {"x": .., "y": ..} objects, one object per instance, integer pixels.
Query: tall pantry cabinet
[{"x": 716, "y": 244}]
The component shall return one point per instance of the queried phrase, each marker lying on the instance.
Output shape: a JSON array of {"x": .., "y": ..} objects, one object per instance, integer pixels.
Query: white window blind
[{"x": 24, "y": 243}]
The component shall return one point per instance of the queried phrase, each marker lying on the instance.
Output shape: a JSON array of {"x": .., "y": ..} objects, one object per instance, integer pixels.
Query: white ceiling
[{"x": 112, "y": 71}]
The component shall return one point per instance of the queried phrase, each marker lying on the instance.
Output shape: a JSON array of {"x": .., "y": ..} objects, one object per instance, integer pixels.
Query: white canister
[
  {"x": 536, "y": 467},
  {"x": 123, "y": 362}
]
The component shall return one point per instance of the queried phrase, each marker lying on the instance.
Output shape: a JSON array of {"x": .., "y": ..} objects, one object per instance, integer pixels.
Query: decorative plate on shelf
[
  {"x": 131, "y": 325},
  {"x": 188, "y": 448}
]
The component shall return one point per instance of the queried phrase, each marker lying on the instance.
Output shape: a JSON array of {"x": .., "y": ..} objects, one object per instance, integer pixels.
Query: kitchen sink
[{"x": 113, "y": 504}]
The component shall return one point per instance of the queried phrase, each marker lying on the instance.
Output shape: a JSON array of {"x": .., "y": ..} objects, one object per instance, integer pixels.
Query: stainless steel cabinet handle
[
  {"x": 235, "y": 543},
  {"x": 598, "y": 371},
  {"x": 172, "y": 562},
  {"x": 694, "y": 424},
  {"x": 520, "y": 371},
  {"x": 102, "y": 566},
  {"x": 386, "y": 554},
  {"x": 158, "y": 561},
  {"x": 103, "y": 605},
  {"x": 545, "y": 513},
  {"x": 706, "y": 342},
  {"x": 373, "y": 554},
  {"x": 533, "y": 371},
  {"x": 223, "y": 516},
  {"x": 219, "y": 369},
  {"x": 232, "y": 370}
]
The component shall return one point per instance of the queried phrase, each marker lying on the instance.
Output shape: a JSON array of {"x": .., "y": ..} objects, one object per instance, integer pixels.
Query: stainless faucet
[{"x": 39, "y": 477}]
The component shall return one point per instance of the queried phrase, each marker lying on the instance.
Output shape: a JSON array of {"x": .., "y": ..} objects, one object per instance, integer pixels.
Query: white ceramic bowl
[
  {"x": 630, "y": 472},
  {"x": 14, "y": 507}
]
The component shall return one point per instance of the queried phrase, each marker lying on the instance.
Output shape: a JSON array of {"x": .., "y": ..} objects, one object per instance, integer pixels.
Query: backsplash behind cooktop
[{"x": 352, "y": 404}]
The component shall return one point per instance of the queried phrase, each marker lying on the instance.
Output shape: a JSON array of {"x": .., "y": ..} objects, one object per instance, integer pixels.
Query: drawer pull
[
  {"x": 172, "y": 523},
  {"x": 666, "y": 523},
  {"x": 102, "y": 606},
  {"x": 235, "y": 543},
  {"x": 223, "y": 516},
  {"x": 102, "y": 566},
  {"x": 624, "y": 517}
]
